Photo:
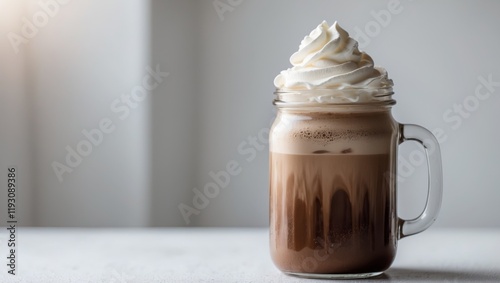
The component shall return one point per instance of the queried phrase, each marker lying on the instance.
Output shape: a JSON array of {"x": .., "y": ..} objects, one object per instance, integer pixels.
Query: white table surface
[{"x": 227, "y": 255}]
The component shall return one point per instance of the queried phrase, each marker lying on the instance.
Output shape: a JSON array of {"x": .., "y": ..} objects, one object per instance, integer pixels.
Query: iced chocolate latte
[{"x": 333, "y": 149}]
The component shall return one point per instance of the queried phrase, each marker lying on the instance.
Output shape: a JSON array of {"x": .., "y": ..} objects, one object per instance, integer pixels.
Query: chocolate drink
[{"x": 331, "y": 197}]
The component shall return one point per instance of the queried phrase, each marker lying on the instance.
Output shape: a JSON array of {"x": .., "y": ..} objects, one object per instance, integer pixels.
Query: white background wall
[
  {"x": 174, "y": 108},
  {"x": 15, "y": 127},
  {"x": 90, "y": 54},
  {"x": 433, "y": 50},
  {"x": 87, "y": 54},
  {"x": 218, "y": 95}
]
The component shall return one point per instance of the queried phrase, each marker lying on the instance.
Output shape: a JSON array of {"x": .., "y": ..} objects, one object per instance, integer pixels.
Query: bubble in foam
[{"x": 347, "y": 150}]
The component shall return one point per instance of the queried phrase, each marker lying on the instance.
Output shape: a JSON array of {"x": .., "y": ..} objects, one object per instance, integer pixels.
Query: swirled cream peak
[{"x": 329, "y": 59}]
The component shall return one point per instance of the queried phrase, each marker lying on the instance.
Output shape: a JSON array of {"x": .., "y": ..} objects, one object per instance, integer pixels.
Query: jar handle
[{"x": 423, "y": 136}]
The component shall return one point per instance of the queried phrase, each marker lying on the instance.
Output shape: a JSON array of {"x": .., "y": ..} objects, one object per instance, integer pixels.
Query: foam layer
[{"x": 329, "y": 133}]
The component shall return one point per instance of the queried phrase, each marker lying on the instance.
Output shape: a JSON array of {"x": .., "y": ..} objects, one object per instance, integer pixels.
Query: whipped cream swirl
[{"x": 329, "y": 59}]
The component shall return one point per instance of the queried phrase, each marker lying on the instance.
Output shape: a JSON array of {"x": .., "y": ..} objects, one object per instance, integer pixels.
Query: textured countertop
[{"x": 226, "y": 255}]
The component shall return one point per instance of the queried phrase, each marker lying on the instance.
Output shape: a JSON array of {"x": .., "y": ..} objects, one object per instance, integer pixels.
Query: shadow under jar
[{"x": 333, "y": 187}]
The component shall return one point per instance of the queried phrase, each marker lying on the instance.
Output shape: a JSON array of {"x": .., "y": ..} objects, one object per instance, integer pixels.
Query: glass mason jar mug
[{"x": 333, "y": 168}]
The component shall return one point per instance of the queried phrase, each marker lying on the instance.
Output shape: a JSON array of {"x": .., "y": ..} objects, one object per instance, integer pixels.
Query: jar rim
[{"x": 352, "y": 97}]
